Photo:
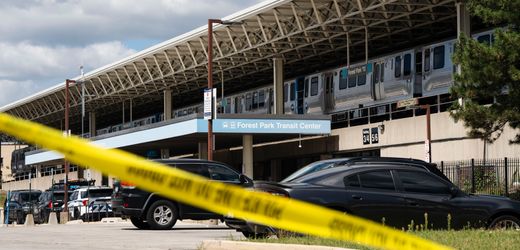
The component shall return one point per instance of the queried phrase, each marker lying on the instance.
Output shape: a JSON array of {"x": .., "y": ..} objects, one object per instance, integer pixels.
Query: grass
[{"x": 463, "y": 239}]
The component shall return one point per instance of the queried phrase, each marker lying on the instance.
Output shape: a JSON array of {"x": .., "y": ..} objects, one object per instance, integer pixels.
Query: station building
[{"x": 296, "y": 81}]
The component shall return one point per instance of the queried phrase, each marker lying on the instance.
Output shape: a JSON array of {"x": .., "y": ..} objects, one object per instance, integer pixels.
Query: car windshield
[
  {"x": 313, "y": 167},
  {"x": 29, "y": 196},
  {"x": 96, "y": 193}
]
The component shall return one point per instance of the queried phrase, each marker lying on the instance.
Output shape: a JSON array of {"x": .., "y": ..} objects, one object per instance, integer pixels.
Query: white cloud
[
  {"x": 26, "y": 68},
  {"x": 83, "y": 22},
  {"x": 42, "y": 42}
]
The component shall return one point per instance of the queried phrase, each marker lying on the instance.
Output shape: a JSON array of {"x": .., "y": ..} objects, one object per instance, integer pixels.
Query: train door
[
  {"x": 378, "y": 77},
  {"x": 299, "y": 92},
  {"x": 417, "y": 88},
  {"x": 328, "y": 80}
]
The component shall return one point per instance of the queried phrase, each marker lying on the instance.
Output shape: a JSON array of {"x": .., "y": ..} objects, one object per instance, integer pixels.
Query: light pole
[
  {"x": 210, "y": 78},
  {"x": 66, "y": 186}
]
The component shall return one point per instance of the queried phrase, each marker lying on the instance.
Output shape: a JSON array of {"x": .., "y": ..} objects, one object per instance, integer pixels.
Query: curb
[{"x": 244, "y": 245}]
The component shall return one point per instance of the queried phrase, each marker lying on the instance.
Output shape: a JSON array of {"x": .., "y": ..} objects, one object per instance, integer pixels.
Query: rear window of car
[
  {"x": 96, "y": 193},
  {"x": 29, "y": 196}
]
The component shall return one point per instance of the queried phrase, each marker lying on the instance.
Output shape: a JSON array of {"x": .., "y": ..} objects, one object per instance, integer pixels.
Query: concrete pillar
[
  {"x": 278, "y": 85},
  {"x": 167, "y": 104},
  {"x": 165, "y": 152},
  {"x": 463, "y": 19},
  {"x": 203, "y": 150},
  {"x": 92, "y": 123},
  {"x": 247, "y": 155}
]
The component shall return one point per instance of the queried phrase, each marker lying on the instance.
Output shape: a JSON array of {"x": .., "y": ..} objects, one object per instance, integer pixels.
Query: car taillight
[
  {"x": 125, "y": 204},
  {"x": 50, "y": 204},
  {"x": 127, "y": 184},
  {"x": 84, "y": 202}
]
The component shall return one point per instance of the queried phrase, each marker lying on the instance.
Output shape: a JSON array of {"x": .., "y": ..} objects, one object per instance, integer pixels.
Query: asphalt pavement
[{"x": 116, "y": 235}]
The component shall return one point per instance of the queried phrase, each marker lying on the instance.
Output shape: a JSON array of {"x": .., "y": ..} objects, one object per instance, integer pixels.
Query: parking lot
[{"x": 119, "y": 235}]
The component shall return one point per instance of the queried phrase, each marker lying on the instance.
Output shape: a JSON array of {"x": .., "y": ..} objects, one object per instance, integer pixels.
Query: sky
[{"x": 43, "y": 42}]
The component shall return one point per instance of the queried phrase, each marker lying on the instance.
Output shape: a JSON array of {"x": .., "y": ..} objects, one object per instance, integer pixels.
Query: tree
[{"x": 490, "y": 73}]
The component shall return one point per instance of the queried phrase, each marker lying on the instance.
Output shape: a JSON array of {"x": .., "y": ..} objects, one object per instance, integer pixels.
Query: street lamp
[
  {"x": 210, "y": 77},
  {"x": 67, "y": 104}
]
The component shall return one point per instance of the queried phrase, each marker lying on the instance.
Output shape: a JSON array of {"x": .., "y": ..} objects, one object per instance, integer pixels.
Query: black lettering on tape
[
  {"x": 347, "y": 229},
  {"x": 146, "y": 174},
  {"x": 203, "y": 191},
  {"x": 223, "y": 196},
  {"x": 273, "y": 210},
  {"x": 181, "y": 184}
]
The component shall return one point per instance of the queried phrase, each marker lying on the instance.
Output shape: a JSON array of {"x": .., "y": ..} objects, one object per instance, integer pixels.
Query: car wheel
[
  {"x": 252, "y": 235},
  {"x": 505, "y": 222},
  {"x": 162, "y": 215},
  {"x": 139, "y": 223}
]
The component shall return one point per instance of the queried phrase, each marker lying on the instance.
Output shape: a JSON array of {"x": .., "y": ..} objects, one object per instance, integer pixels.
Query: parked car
[
  {"x": 90, "y": 203},
  {"x": 21, "y": 203},
  {"x": 397, "y": 194},
  {"x": 50, "y": 201},
  {"x": 152, "y": 211}
]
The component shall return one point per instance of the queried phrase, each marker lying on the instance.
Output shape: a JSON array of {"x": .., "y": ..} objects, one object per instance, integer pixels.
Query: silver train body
[{"x": 419, "y": 72}]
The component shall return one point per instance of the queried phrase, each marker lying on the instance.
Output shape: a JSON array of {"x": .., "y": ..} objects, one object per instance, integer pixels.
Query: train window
[
  {"x": 427, "y": 60},
  {"x": 352, "y": 80},
  {"x": 382, "y": 72},
  {"x": 292, "y": 92},
  {"x": 343, "y": 78},
  {"x": 261, "y": 98},
  {"x": 407, "y": 67},
  {"x": 314, "y": 86},
  {"x": 255, "y": 100},
  {"x": 228, "y": 106},
  {"x": 361, "y": 78},
  {"x": 375, "y": 77},
  {"x": 438, "y": 57},
  {"x": 306, "y": 87},
  {"x": 397, "y": 69},
  {"x": 238, "y": 105},
  {"x": 285, "y": 93},
  {"x": 486, "y": 39},
  {"x": 248, "y": 101}
]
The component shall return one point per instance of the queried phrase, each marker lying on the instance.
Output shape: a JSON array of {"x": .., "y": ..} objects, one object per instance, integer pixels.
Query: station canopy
[{"x": 309, "y": 35}]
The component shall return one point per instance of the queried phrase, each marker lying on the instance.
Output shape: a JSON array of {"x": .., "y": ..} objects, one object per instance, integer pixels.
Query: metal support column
[
  {"x": 165, "y": 152},
  {"x": 92, "y": 123},
  {"x": 203, "y": 150}
]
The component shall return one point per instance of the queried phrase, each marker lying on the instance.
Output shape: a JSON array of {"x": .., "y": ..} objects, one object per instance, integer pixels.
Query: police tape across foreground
[{"x": 218, "y": 197}]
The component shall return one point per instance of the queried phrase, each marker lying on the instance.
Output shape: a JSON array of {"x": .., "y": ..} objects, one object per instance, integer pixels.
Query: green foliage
[{"x": 490, "y": 74}]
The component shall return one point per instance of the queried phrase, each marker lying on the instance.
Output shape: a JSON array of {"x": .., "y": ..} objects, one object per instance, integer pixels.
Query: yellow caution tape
[{"x": 229, "y": 200}]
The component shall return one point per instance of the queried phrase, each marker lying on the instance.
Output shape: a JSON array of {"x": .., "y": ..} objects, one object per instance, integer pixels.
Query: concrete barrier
[
  {"x": 29, "y": 220},
  {"x": 2, "y": 219},
  {"x": 64, "y": 217},
  {"x": 53, "y": 219}
]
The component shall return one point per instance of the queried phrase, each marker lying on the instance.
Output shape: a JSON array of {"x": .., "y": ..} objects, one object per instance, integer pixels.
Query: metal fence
[{"x": 490, "y": 176}]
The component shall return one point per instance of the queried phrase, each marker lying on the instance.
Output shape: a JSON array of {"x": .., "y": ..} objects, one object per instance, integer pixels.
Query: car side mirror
[
  {"x": 244, "y": 179},
  {"x": 454, "y": 191}
]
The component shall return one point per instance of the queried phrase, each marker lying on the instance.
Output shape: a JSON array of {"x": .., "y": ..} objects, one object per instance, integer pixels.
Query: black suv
[
  {"x": 50, "y": 201},
  {"x": 21, "y": 203},
  {"x": 152, "y": 211}
]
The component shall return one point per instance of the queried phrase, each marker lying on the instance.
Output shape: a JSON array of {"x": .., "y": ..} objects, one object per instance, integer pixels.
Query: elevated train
[{"x": 418, "y": 72}]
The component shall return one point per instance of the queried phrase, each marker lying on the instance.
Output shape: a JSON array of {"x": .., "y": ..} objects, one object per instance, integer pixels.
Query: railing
[
  {"x": 490, "y": 176},
  {"x": 389, "y": 111}
]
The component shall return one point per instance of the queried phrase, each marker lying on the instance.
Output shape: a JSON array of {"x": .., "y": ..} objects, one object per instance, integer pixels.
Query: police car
[{"x": 90, "y": 203}]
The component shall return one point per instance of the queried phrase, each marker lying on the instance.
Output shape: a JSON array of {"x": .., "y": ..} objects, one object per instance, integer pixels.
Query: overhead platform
[
  {"x": 183, "y": 136},
  {"x": 307, "y": 35}
]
